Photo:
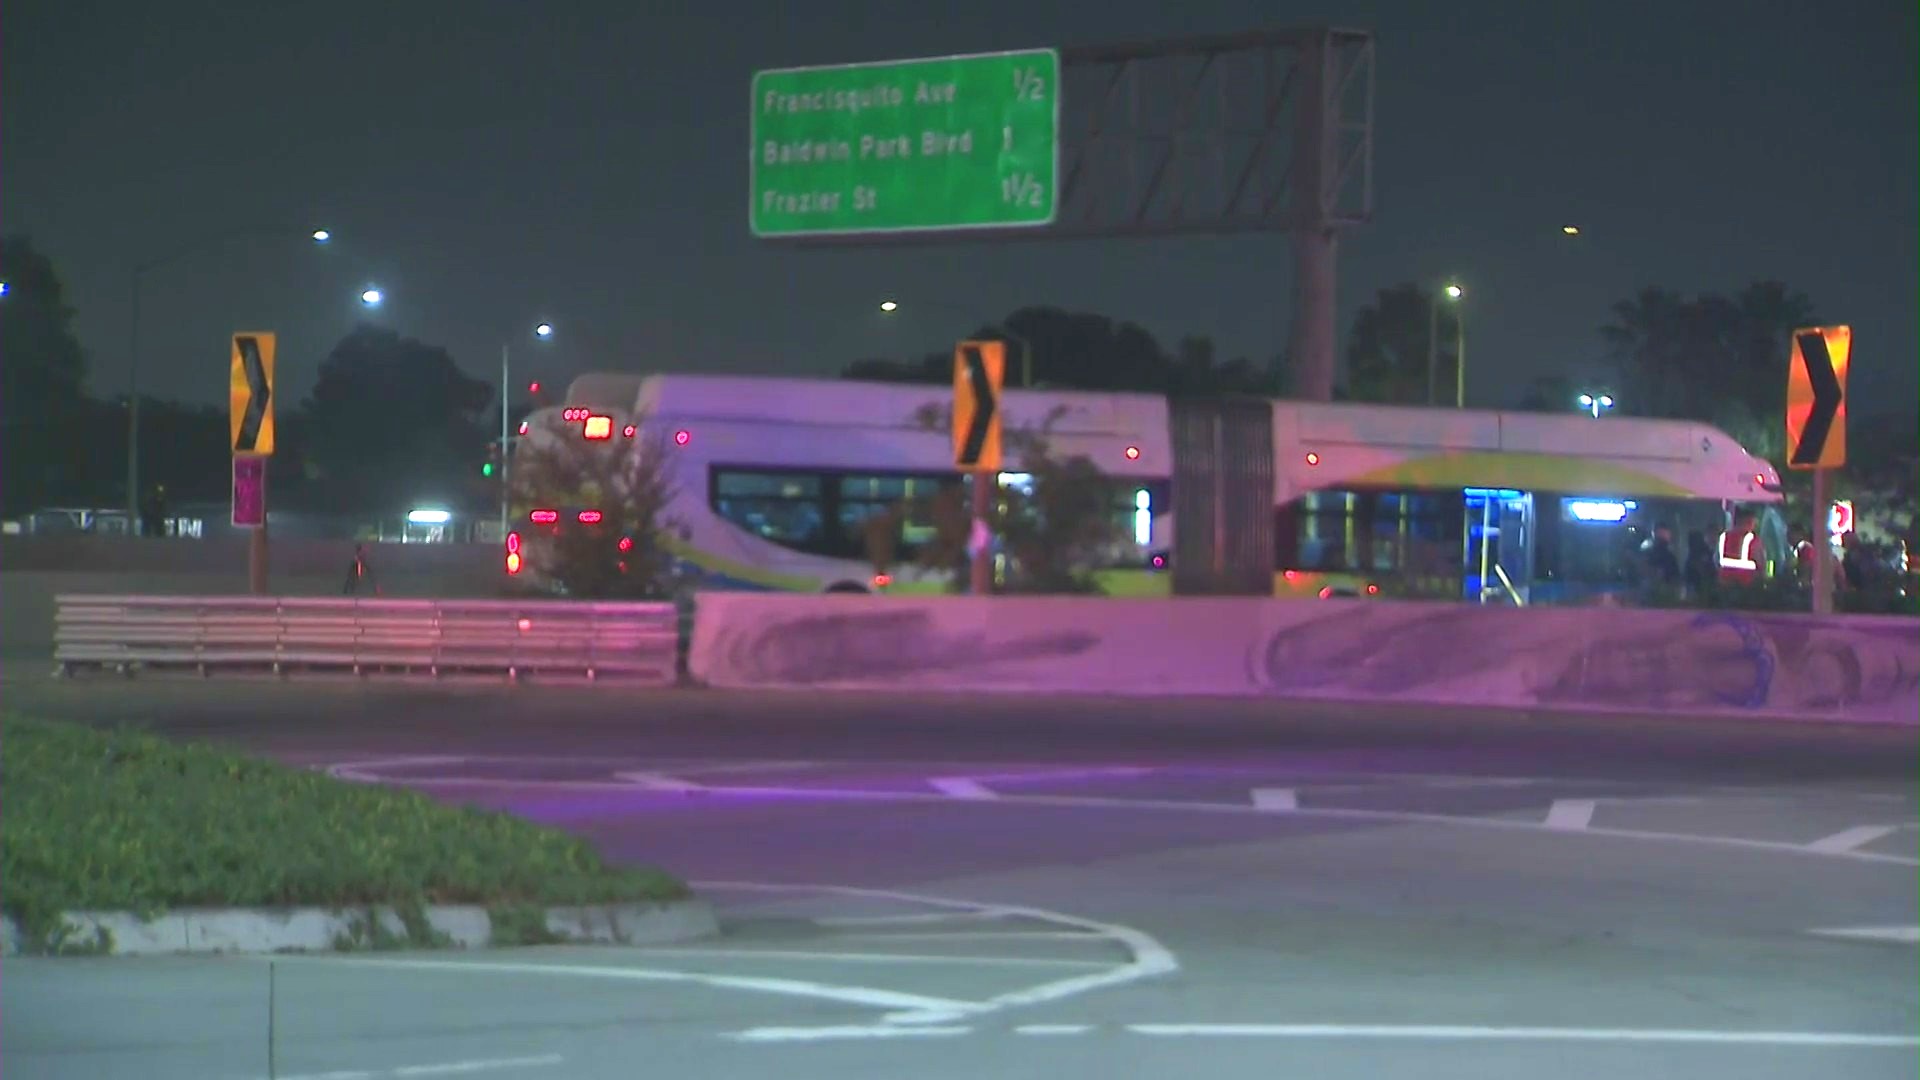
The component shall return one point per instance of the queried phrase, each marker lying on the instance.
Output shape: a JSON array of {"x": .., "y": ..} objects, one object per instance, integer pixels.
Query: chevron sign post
[
  {"x": 250, "y": 425},
  {"x": 1817, "y": 364},
  {"x": 979, "y": 369}
]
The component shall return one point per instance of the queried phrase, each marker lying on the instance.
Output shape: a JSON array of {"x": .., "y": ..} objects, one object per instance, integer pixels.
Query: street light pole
[
  {"x": 506, "y": 459},
  {"x": 1459, "y": 358},
  {"x": 133, "y": 413},
  {"x": 543, "y": 331},
  {"x": 1451, "y": 292}
]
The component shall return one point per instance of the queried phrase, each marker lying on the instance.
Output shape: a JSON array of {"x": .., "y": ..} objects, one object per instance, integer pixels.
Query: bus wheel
[{"x": 846, "y": 587}]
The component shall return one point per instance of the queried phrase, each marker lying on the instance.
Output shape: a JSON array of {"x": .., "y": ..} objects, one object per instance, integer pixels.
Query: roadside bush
[{"x": 126, "y": 821}]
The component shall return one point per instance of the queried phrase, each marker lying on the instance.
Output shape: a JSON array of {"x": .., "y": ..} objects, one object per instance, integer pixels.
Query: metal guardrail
[{"x": 283, "y": 635}]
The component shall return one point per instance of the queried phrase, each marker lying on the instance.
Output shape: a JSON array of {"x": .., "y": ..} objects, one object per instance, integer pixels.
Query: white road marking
[
  {"x": 1402, "y": 817},
  {"x": 1087, "y": 773},
  {"x": 961, "y": 787},
  {"x": 916, "y": 919},
  {"x": 849, "y": 1031},
  {"x": 885, "y": 958},
  {"x": 1906, "y": 935},
  {"x": 1053, "y": 1029},
  {"x": 1548, "y": 1034},
  {"x": 1149, "y": 957},
  {"x": 447, "y": 1068},
  {"x": 459, "y": 1068},
  {"x": 1570, "y": 814},
  {"x": 363, "y": 771},
  {"x": 750, "y": 767},
  {"x": 974, "y": 935},
  {"x": 1276, "y": 798},
  {"x": 1856, "y": 837},
  {"x": 871, "y": 997},
  {"x": 654, "y": 781}
]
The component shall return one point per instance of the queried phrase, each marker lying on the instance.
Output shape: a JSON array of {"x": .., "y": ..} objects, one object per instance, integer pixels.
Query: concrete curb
[{"x": 314, "y": 929}]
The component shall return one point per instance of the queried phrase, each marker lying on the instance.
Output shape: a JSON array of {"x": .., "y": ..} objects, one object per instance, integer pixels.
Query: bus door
[{"x": 1496, "y": 549}]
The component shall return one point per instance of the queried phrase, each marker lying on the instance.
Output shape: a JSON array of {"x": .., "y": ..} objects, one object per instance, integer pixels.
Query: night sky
[{"x": 493, "y": 162}]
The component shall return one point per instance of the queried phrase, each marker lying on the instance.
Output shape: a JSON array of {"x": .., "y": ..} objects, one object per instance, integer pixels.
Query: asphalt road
[{"x": 993, "y": 886}]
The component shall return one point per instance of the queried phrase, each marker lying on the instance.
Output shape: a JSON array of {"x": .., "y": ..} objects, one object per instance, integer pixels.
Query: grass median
[{"x": 119, "y": 820}]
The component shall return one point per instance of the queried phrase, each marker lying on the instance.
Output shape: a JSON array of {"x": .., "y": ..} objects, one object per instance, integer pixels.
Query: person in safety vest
[{"x": 1740, "y": 552}]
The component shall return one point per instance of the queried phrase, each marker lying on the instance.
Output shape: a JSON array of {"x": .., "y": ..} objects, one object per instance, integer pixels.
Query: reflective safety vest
[{"x": 1737, "y": 563}]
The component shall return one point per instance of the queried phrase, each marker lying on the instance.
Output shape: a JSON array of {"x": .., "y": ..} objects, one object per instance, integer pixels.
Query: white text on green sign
[{"x": 951, "y": 143}]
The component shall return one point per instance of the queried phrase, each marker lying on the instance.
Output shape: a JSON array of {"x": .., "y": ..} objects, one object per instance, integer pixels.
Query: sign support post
[
  {"x": 979, "y": 371},
  {"x": 250, "y": 417},
  {"x": 1817, "y": 432},
  {"x": 1822, "y": 547}
]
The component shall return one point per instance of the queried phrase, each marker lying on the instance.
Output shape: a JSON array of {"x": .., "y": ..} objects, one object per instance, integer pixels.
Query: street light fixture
[
  {"x": 372, "y": 297},
  {"x": 1570, "y": 230},
  {"x": 1451, "y": 291},
  {"x": 140, "y": 270},
  {"x": 1026, "y": 346},
  {"x": 1593, "y": 403}
]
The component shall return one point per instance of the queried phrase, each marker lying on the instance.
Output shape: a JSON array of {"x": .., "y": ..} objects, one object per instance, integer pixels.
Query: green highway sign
[{"x": 956, "y": 142}]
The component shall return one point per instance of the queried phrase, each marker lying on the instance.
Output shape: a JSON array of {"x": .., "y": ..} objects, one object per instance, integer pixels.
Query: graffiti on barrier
[
  {"x": 891, "y": 646},
  {"x": 1721, "y": 660}
]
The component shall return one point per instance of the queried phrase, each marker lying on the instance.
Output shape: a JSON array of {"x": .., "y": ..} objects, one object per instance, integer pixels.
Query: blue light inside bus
[{"x": 1601, "y": 511}]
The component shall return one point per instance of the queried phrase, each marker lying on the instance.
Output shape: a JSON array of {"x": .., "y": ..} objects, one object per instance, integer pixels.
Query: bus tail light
[
  {"x": 590, "y": 517},
  {"x": 682, "y": 437}
]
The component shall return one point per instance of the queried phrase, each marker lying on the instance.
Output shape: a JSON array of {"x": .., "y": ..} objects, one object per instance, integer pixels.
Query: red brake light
[
  {"x": 544, "y": 517},
  {"x": 625, "y": 544},
  {"x": 1373, "y": 590},
  {"x": 1133, "y": 453},
  {"x": 1326, "y": 591},
  {"x": 1292, "y": 575},
  {"x": 523, "y": 427},
  {"x": 881, "y": 581},
  {"x": 598, "y": 427},
  {"x": 533, "y": 387},
  {"x": 1313, "y": 458},
  {"x": 629, "y": 431},
  {"x": 1159, "y": 562},
  {"x": 513, "y": 543},
  {"x": 590, "y": 517},
  {"x": 682, "y": 437}
]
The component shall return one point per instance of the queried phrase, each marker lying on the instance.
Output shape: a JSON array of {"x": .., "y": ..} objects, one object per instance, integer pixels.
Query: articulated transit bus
[{"x": 776, "y": 478}]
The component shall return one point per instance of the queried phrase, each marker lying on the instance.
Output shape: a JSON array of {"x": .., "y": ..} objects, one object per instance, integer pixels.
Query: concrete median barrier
[{"x": 1847, "y": 668}]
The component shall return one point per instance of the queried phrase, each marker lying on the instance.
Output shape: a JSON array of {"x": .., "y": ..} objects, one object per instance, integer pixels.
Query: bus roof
[{"x": 1316, "y": 444}]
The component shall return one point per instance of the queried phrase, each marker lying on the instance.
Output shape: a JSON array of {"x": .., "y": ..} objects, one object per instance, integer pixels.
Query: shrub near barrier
[{"x": 102, "y": 821}]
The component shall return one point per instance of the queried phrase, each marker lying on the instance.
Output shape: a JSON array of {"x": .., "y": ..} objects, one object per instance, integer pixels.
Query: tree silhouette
[
  {"x": 393, "y": 422},
  {"x": 1084, "y": 351},
  {"x": 1713, "y": 357},
  {"x": 1387, "y": 349},
  {"x": 45, "y": 440}
]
